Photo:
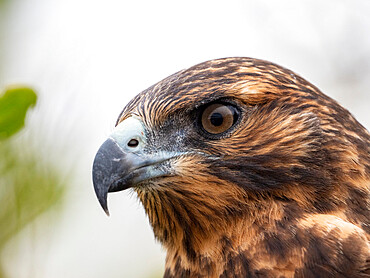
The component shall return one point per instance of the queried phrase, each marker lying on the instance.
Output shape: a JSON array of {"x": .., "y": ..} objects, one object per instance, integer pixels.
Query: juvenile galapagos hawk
[{"x": 244, "y": 169}]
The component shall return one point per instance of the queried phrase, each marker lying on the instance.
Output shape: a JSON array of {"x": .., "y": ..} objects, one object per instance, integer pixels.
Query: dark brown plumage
[{"x": 273, "y": 180}]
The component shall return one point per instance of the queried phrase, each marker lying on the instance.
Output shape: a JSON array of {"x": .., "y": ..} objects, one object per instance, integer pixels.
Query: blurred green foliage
[
  {"x": 13, "y": 107},
  {"x": 2, "y": 2},
  {"x": 29, "y": 186}
]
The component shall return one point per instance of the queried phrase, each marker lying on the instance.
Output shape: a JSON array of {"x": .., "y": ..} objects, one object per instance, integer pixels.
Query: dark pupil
[{"x": 216, "y": 119}]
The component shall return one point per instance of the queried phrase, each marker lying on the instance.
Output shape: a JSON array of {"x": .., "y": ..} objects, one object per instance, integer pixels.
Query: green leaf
[{"x": 14, "y": 104}]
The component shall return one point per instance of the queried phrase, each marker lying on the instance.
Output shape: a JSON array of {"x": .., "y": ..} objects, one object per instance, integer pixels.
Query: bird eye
[{"x": 218, "y": 118}]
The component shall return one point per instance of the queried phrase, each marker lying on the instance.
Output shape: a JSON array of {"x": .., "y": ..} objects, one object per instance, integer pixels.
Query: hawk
[{"x": 244, "y": 169}]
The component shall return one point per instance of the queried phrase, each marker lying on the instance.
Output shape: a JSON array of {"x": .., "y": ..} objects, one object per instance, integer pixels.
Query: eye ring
[{"x": 217, "y": 119}]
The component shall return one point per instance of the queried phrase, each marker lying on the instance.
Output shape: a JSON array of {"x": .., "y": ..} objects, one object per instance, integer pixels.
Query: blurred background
[{"x": 86, "y": 59}]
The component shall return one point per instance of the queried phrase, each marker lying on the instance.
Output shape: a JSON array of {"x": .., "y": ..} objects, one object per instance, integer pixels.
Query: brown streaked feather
[{"x": 285, "y": 195}]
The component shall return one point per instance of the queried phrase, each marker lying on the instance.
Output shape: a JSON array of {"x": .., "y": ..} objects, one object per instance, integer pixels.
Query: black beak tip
[
  {"x": 111, "y": 166},
  {"x": 104, "y": 204},
  {"x": 106, "y": 210},
  {"x": 100, "y": 180},
  {"x": 101, "y": 194},
  {"x": 106, "y": 169}
]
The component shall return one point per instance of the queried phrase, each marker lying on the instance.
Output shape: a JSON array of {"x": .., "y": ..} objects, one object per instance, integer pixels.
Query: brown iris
[{"x": 218, "y": 118}]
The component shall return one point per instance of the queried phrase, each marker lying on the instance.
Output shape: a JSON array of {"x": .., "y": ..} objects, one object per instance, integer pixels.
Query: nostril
[{"x": 133, "y": 143}]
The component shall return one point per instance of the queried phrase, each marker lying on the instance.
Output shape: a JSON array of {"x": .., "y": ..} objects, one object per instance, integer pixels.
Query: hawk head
[{"x": 231, "y": 150}]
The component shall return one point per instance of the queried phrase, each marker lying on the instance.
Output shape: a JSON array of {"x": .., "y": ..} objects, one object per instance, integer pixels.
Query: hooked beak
[{"x": 119, "y": 165}]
